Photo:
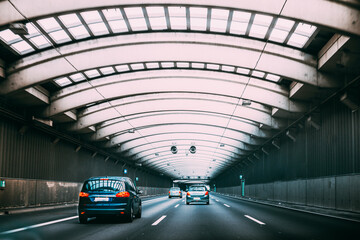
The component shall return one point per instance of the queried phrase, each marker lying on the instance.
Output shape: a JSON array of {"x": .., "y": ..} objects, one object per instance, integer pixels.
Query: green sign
[
  {"x": 240, "y": 176},
  {"x": 2, "y": 183},
  {"x": 137, "y": 179},
  {"x": 125, "y": 171}
]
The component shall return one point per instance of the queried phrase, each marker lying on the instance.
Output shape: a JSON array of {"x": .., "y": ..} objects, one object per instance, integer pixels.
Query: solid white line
[
  {"x": 158, "y": 221},
  {"x": 177, "y": 205},
  {"x": 38, "y": 225},
  {"x": 255, "y": 220},
  {"x": 226, "y": 205}
]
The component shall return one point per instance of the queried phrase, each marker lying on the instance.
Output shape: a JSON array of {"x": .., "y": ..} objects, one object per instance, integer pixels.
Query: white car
[{"x": 175, "y": 192}]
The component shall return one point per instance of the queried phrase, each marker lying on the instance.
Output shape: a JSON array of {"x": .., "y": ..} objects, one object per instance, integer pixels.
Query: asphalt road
[{"x": 163, "y": 218}]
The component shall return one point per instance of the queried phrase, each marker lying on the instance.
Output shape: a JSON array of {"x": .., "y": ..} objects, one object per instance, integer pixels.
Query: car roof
[{"x": 110, "y": 177}]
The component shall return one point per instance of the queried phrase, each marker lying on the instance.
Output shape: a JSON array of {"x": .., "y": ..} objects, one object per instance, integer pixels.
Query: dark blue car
[{"x": 109, "y": 196}]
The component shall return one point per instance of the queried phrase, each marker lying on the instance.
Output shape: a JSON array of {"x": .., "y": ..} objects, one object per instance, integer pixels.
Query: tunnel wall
[
  {"x": 33, "y": 162},
  {"x": 328, "y": 155}
]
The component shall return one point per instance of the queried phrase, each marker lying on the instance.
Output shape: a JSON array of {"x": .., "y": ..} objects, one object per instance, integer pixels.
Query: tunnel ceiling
[{"x": 137, "y": 77}]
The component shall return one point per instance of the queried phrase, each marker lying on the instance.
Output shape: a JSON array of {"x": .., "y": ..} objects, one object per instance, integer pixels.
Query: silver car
[
  {"x": 175, "y": 192},
  {"x": 197, "y": 193}
]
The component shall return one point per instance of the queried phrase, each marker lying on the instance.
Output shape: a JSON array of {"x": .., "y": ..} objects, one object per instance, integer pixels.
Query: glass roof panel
[
  {"x": 284, "y": 24},
  {"x": 70, "y": 20},
  {"x": 167, "y": 64},
  {"x": 137, "y": 66},
  {"x": 60, "y": 36},
  {"x": 212, "y": 66},
  {"x": 278, "y": 35},
  {"x": 262, "y": 20},
  {"x": 22, "y": 47},
  {"x": 243, "y": 71},
  {"x": 238, "y": 28},
  {"x": 258, "y": 74},
  {"x": 136, "y": 18},
  {"x": 63, "y": 81},
  {"x": 297, "y": 40},
  {"x": 156, "y": 18},
  {"x": 118, "y": 26},
  {"x": 183, "y": 64},
  {"x": 122, "y": 68},
  {"x": 177, "y": 17},
  {"x": 219, "y": 20},
  {"x": 258, "y": 31},
  {"x": 33, "y": 31},
  {"x": 98, "y": 28},
  {"x": 198, "y": 18},
  {"x": 151, "y": 65},
  {"x": 91, "y": 17},
  {"x": 305, "y": 29},
  {"x": 49, "y": 24},
  {"x": 197, "y": 65},
  {"x": 92, "y": 73},
  {"x": 77, "y": 77},
  {"x": 228, "y": 68},
  {"x": 112, "y": 14},
  {"x": 272, "y": 77},
  {"x": 9, "y": 37},
  {"x": 107, "y": 70},
  {"x": 40, "y": 41},
  {"x": 79, "y": 32}
]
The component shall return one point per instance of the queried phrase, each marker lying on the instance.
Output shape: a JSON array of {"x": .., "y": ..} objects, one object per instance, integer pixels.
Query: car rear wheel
[
  {"x": 187, "y": 203},
  {"x": 83, "y": 219},
  {"x": 130, "y": 216},
  {"x": 207, "y": 203},
  {"x": 138, "y": 214}
]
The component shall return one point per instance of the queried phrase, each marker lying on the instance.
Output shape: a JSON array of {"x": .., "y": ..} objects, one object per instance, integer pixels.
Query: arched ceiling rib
[{"x": 302, "y": 10}]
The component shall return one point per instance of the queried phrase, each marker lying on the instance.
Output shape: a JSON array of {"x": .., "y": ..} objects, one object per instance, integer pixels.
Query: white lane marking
[
  {"x": 177, "y": 205},
  {"x": 255, "y": 220},
  {"x": 38, "y": 225},
  {"x": 226, "y": 205},
  {"x": 216, "y": 200},
  {"x": 159, "y": 220}
]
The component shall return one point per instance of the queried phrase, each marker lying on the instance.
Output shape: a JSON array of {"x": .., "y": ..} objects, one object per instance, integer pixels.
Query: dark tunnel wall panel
[
  {"x": 332, "y": 150},
  {"x": 29, "y": 154}
]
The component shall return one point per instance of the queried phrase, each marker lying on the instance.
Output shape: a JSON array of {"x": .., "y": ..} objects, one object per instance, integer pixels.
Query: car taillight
[
  {"x": 169, "y": 192},
  {"x": 123, "y": 194},
  {"x": 179, "y": 192},
  {"x": 83, "y": 194},
  {"x": 188, "y": 194},
  {"x": 206, "y": 193}
]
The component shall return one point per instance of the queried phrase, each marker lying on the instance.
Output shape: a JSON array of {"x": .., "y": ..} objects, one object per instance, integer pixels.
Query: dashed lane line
[
  {"x": 226, "y": 205},
  {"x": 177, "y": 205},
  {"x": 255, "y": 220},
  {"x": 158, "y": 221}
]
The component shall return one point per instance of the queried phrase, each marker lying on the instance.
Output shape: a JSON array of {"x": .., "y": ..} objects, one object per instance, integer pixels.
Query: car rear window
[
  {"x": 104, "y": 185},
  {"x": 197, "y": 189},
  {"x": 175, "y": 189}
]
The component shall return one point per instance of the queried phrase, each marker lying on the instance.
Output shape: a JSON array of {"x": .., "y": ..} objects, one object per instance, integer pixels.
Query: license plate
[
  {"x": 196, "y": 198},
  {"x": 101, "y": 199}
]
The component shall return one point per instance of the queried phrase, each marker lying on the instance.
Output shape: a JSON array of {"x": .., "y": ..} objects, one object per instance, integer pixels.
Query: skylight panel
[
  {"x": 92, "y": 73},
  {"x": 197, "y": 65},
  {"x": 177, "y": 18},
  {"x": 70, "y": 20},
  {"x": 219, "y": 20},
  {"x": 63, "y": 81},
  {"x": 136, "y": 18},
  {"x": 79, "y": 32},
  {"x": 60, "y": 36},
  {"x": 167, "y": 64},
  {"x": 212, "y": 66},
  {"x": 49, "y": 24},
  {"x": 272, "y": 77},
  {"x": 32, "y": 30},
  {"x": 284, "y": 24},
  {"x": 112, "y": 14},
  {"x": 243, "y": 71},
  {"x": 107, "y": 70},
  {"x": 22, "y": 47},
  {"x": 183, "y": 64},
  {"x": 152, "y": 65},
  {"x": 9, "y": 37},
  {"x": 91, "y": 17},
  {"x": 258, "y": 74},
  {"x": 198, "y": 18},
  {"x": 98, "y": 28},
  {"x": 156, "y": 18},
  {"x": 122, "y": 68},
  {"x": 305, "y": 29},
  {"x": 137, "y": 66},
  {"x": 40, "y": 41},
  {"x": 228, "y": 68},
  {"x": 118, "y": 26},
  {"x": 260, "y": 25},
  {"x": 77, "y": 77},
  {"x": 278, "y": 35},
  {"x": 239, "y": 23},
  {"x": 297, "y": 40}
]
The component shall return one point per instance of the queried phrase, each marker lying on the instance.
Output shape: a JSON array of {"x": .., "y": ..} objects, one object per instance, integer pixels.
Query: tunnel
[{"x": 257, "y": 101}]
